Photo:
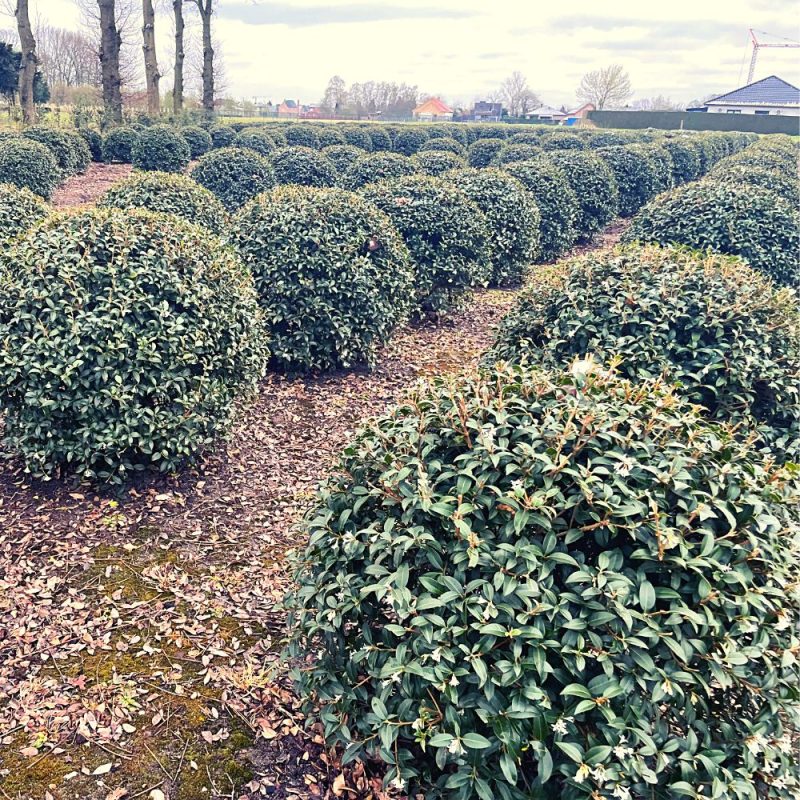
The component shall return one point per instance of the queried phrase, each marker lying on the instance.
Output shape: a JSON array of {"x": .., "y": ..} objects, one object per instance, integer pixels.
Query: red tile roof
[{"x": 433, "y": 106}]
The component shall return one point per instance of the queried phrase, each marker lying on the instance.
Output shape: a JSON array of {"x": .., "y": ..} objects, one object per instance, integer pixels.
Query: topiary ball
[
  {"x": 595, "y": 189},
  {"x": 333, "y": 276},
  {"x": 150, "y": 332},
  {"x": 598, "y": 139},
  {"x": 511, "y": 152},
  {"x": 356, "y": 136},
  {"x": 446, "y": 234},
  {"x": 371, "y": 167},
  {"x": 409, "y": 140},
  {"x": 160, "y": 148},
  {"x": 82, "y": 154},
  {"x": 782, "y": 183},
  {"x": 222, "y": 136},
  {"x": 168, "y": 193},
  {"x": 482, "y": 152},
  {"x": 725, "y": 334},
  {"x": 744, "y": 221},
  {"x": 59, "y": 144},
  {"x": 518, "y": 586},
  {"x": 234, "y": 174},
  {"x": 379, "y": 137},
  {"x": 329, "y": 136},
  {"x": 20, "y": 210},
  {"x": 512, "y": 217},
  {"x": 199, "y": 140},
  {"x": 437, "y": 162},
  {"x": 94, "y": 141},
  {"x": 118, "y": 144},
  {"x": 303, "y": 166},
  {"x": 685, "y": 163},
  {"x": 27, "y": 164},
  {"x": 561, "y": 140},
  {"x": 633, "y": 174},
  {"x": 255, "y": 139},
  {"x": 300, "y": 135},
  {"x": 533, "y": 137},
  {"x": 445, "y": 144},
  {"x": 342, "y": 156},
  {"x": 557, "y": 203}
]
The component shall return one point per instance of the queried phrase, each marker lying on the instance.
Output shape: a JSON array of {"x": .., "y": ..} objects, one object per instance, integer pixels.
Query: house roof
[
  {"x": 433, "y": 105},
  {"x": 545, "y": 111},
  {"x": 771, "y": 91},
  {"x": 484, "y": 106},
  {"x": 289, "y": 104}
]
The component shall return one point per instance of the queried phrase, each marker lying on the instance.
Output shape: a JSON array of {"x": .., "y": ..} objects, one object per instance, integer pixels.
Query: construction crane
[{"x": 758, "y": 45}]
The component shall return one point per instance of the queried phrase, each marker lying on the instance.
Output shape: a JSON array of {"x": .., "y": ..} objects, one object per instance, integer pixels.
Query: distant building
[
  {"x": 310, "y": 112},
  {"x": 289, "y": 109},
  {"x": 433, "y": 110},
  {"x": 484, "y": 111},
  {"x": 545, "y": 113},
  {"x": 770, "y": 95},
  {"x": 574, "y": 117}
]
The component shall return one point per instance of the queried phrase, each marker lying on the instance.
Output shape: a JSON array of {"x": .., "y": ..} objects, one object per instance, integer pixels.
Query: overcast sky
[{"x": 460, "y": 49}]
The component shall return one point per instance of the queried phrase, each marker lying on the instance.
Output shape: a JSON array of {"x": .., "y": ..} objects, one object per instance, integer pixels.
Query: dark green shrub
[
  {"x": 300, "y": 135},
  {"x": 379, "y": 137},
  {"x": 342, "y": 156},
  {"x": 371, "y": 167},
  {"x": 661, "y": 165},
  {"x": 738, "y": 220},
  {"x": 446, "y": 234},
  {"x": 356, "y": 136},
  {"x": 758, "y": 155},
  {"x": 27, "y": 164},
  {"x": 303, "y": 166},
  {"x": 510, "y": 153},
  {"x": 557, "y": 203},
  {"x": 445, "y": 144},
  {"x": 328, "y": 136},
  {"x": 221, "y": 136},
  {"x": 118, "y": 144},
  {"x": 561, "y": 140},
  {"x": 437, "y": 130},
  {"x": 168, "y": 193},
  {"x": 702, "y": 151},
  {"x": 633, "y": 174},
  {"x": 81, "y": 151},
  {"x": 531, "y": 137},
  {"x": 199, "y": 140},
  {"x": 436, "y": 162},
  {"x": 278, "y": 136},
  {"x": 595, "y": 189},
  {"x": 725, "y": 334},
  {"x": 160, "y": 148},
  {"x": 255, "y": 139},
  {"x": 598, "y": 139},
  {"x": 482, "y": 152},
  {"x": 409, "y": 140},
  {"x": 20, "y": 210},
  {"x": 458, "y": 131},
  {"x": 94, "y": 141},
  {"x": 332, "y": 274},
  {"x": 525, "y": 587},
  {"x": 59, "y": 144},
  {"x": 491, "y": 130},
  {"x": 782, "y": 183},
  {"x": 512, "y": 217},
  {"x": 685, "y": 163},
  {"x": 234, "y": 174},
  {"x": 150, "y": 331}
]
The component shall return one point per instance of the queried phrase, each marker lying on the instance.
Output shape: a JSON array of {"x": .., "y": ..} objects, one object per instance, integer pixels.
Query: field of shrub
[{"x": 568, "y": 570}]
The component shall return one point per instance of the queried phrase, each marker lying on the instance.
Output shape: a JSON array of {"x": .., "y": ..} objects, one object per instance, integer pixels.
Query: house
[
  {"x": 311, "y": 112},
  {"x": 574, "y": 117},
  {"x": 433, "y": 110},
  {"x": 485, "y": 111},
  {"x": 770, "y": 95},
  {"x": 545, "y": 113},
  {"x": 289, "y": 109}
]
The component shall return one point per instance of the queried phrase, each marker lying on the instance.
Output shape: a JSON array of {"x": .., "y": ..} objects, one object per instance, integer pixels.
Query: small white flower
[
  {"x": 455, "y": 748},
  {"x": 755, "y": 743},
  {"x": 436, "y": 655},
  {"x": 559, "y": 726},
  {"x": 583, "y": 773},
  {"x": 417, "y": 724},
  {"x": 666, "y": 686},
  {"x": 398, "y": 783},
  {"x": 784, "y": 621},
  {"x": 599, "y": 774},
  {"x": 454, "y": 680},
  {"x": 622, "y": 792}
]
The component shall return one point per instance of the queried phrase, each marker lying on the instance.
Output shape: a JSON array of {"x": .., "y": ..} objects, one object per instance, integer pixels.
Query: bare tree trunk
[
  {"x": 110, "y": 43},
  {"x": 151, "y": 74},
  {"x": 177, "y": 88},
  {"x": 206, "y": 9},
  {"x": 27, "y": 72}
]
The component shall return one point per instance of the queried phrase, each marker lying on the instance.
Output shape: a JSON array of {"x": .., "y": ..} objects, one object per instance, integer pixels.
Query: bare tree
[
  {"x": 27, "y": 71},
  {"x": 180, "y": 55},
  {"x": 110, "y": 43},
  {"x": 335, "y": 94},
  {"x": 606, "y": 87},
  {"x": 206, "y": 10},
  {"x": 657, "y": 103},
  {"x": 67, "y": 58},
  {"x": 518, "y": 96},
  {"x": 151, "y": 74}
]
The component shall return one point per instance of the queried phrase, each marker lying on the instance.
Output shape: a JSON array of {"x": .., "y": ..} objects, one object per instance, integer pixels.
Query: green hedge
[
  {"x": 235, "y": 175},
  {"x": 28, "y": 165},
  {"x": 304, "y": 166},
  {"x": 160, "y": 148},
  {"x": 20, "y": 210}
]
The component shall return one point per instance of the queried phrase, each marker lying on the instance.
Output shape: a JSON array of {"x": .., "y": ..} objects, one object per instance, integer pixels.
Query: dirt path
[
  {"x": 88, "y": 188},
  {"x": 139, "y": 634}
]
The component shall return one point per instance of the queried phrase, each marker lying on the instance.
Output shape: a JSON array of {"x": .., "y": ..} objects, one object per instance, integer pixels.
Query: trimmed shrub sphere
[
  {"x": 118, "y": 144},
  {"x": 512, "y": 217},
  {"x": 356, "y": 136},
  {"x": 685, "y": 163},
  {"x": 28, "y": 165},
  {"x": 371, "y": 167},
  {"x": 235, "y": 175},
  {"x": 521, "y": 586},
  {"x": 151, "y": 330},
  {"x": 222, "y": 136},
  {"x": 342, "y": 156},
  {"x": 445, "y": 144},
  {"x": 169, "y": 194},
  {"x": 20, "y": 210},
  {"x": 304, "y": 166},
  {"x": 481, "y": 152},
  {"x": 409, "y": 139},
  {"x": 255, "y": 139},
  {"x": 94, "y": 141},
  {"x": 446, "y": 234},
  {"x": 328, "y": 136},
  {"x": 561, "y": 140},
  {"x": 198, "y": 139},
  {"x": 300, "y": 135},
  {"x": 437, "y": 162},
  {"x": 516, "y": 151},
  {"x": 744, "y": 221},
  {"x": 725, "y": 334},
  {"x": 160, "y": 148},
  {"x": 557, "y": 203},
  {"x": 333, "y": 276},
  {"x": 379, "y": 137},
  {"x": 61, "y": 145},
  {"x": 784, "y": 184},
  {"x": 633, "y": 174}
]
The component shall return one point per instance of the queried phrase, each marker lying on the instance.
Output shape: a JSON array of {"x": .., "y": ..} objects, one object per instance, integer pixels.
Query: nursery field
[{"x": 384, "y": 461}]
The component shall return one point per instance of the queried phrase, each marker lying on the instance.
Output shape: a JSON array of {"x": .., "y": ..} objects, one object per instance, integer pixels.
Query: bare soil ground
[
  {"x": 139, "y": 635},
  {"x": 87, "y": 188}
]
